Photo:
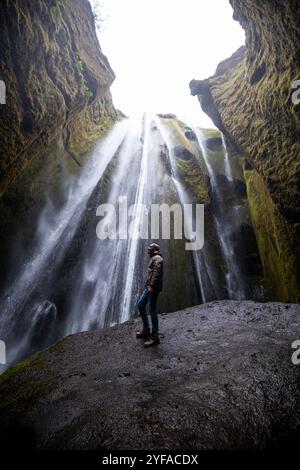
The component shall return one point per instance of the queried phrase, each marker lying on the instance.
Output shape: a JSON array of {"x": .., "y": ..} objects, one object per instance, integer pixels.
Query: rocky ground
[{"x": 221, "y": 378}]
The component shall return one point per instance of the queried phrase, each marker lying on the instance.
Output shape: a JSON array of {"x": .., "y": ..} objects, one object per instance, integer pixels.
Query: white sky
[{"x": 156, "y": 47}]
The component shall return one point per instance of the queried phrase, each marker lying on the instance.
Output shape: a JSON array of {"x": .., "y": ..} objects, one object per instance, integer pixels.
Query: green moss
[
  {"x": 79, "y": 62},
  {"x": 15, "y": 369},
  {"x": 55, "y": 8},
  {"x": 196, "y": 183},
  {"x": 210, "y": 133},
  {"x": 13, "y": 384},
  {"x": 275, "y": 239},
  {"x": 87, "y": 92},
  {"x": 260, "y": 117},
  {"x": 192, "y": 172}
]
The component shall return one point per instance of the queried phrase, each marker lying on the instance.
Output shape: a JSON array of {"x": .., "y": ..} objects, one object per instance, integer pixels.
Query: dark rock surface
[
  {"x": 214, "y": 143},
  {"x": 181, "y": 152},
  {"x": 222, "y": 377},
  {"x": 190, "y": 135}
]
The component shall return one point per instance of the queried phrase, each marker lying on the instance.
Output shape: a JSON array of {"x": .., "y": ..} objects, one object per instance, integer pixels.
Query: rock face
[
  {"x": 58, "y": 102},
  {"x": 222, "y": 378},
  {"x": 250, "y": 99},
  {"x": 57, "y": 80}
]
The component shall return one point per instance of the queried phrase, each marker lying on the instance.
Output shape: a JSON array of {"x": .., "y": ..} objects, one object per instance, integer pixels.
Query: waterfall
[
  {"x": 138, "y": 219},
  {"x": 73, "y": 281},
  {"x": 54, "y": 235},
  {"x": 228, "y": 169},
  {"x": 100, "y": 277},
  {"x": 184, "y": 199},
  {"x": 234, "y": 279}
]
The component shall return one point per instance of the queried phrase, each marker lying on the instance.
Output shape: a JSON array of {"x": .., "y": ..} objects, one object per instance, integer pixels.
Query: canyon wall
[
  {"x": 58, "y": 100},
  {"x": 250, "y": 100}
]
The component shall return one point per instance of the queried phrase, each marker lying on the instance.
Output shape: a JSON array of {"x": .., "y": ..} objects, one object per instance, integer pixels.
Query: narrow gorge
[{"x": 68, "y": 299}]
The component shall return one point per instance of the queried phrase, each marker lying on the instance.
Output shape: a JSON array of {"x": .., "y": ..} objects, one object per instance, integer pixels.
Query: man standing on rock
[{"x": 153, "y": 287}]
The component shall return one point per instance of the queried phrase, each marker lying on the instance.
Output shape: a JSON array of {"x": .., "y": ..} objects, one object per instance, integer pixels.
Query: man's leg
[
  {"x": 142, "y": 309},
  {"x": 152, "y": 309}
]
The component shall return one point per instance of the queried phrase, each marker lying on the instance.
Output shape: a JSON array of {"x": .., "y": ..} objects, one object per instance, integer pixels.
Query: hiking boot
[
  {"x": 144, "y": 334},
  {"x": 154, "y": 339}
]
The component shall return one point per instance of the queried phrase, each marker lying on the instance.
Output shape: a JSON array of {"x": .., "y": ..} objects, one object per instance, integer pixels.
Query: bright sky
[{"x": 156, "y": 47}]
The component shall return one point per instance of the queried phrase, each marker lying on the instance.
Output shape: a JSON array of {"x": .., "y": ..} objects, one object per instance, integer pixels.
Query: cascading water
[
  {"x": 184, "y": 199},
  {"x": 228, "y": 169},
  {"x": 72, "y": 280},
  {"x": 21, "y": 302},
  {"x": 100, "y": 277},
  {"x": 234, "y": 279},
  {"x": 137, "y": 217}
]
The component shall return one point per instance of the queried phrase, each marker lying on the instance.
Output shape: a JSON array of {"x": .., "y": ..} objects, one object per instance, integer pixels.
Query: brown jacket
[{"x": 155, "y": 272}]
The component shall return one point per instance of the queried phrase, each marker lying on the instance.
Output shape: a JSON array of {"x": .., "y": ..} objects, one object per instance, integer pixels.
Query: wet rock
[
  {"x": 240, "y": 188},
  {"x": 258, "y": 74},
  {"x": 182, "y": 152},
  {"x": 225, "y": 380},
  {"x": 277, "y": 246},
  {"x": 214, "y": 143},
  {"x": 164, "y": 155},
  {"x": 190, "y": 135}
]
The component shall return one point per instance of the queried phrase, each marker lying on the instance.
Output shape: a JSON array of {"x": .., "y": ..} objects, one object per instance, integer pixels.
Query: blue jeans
[{"x": 150, "y": 297}]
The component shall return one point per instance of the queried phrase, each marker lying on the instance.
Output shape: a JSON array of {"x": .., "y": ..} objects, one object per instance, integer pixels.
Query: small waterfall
[
  {"x": 228, "y": 169},
  {"x": 100, "y": 277},
  {"x": 235, "y": 283},
  {"x": 138, "y": 221},
  {"x": 184, "y": 199},
  {"x": 54, "y": 235}
]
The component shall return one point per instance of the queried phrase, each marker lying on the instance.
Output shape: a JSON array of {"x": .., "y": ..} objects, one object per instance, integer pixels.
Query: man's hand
[{"x": 150, "y": 289}]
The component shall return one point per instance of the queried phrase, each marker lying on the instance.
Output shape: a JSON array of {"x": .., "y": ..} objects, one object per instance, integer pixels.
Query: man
[{"x": 153, "y": 287}]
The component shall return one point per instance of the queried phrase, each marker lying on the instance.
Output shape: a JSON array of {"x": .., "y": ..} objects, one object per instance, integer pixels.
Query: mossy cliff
[
  {"x": 58, "y": 101},
  {"x": 275, "y": 241},
  {"x": 250, "y": 100},
  {"x": 57, "y": 80}
]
